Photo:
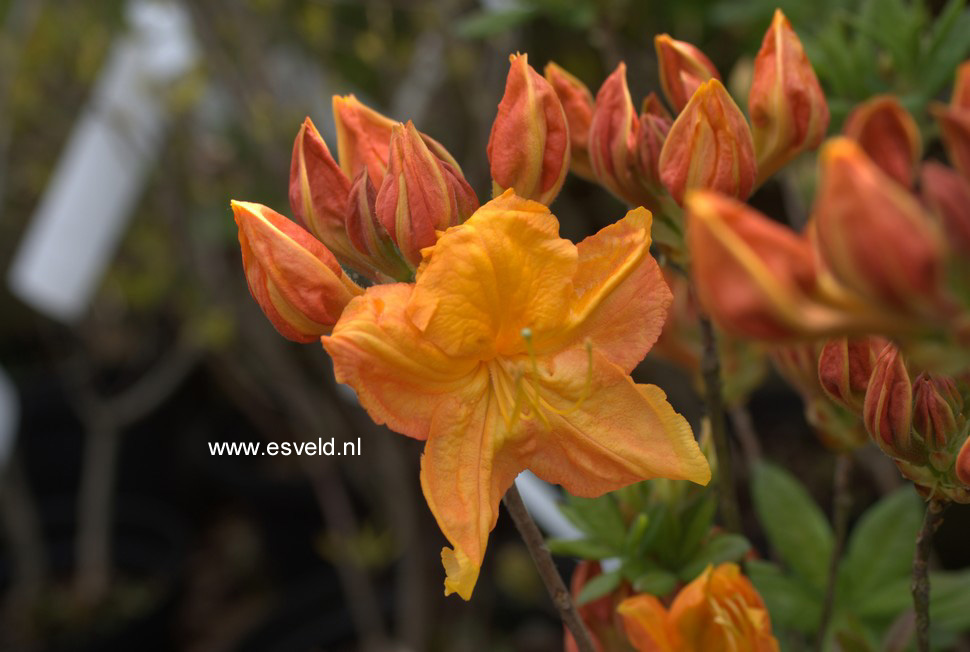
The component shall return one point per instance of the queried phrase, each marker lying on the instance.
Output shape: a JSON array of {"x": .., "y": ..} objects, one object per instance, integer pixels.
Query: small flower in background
[
  {"x": 720, "y": 610},
  {"x": 954, "y": 120},
  {"x": 683, "y": 68},
  {"x": 529, "y": 145},
  {"x": 889, "y": 135},
  {"x": 512, "y": 350},
  {"x": 577, "y": 104}
]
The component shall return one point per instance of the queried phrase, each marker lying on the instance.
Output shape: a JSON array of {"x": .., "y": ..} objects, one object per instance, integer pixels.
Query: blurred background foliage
[{"x": 273, "y": 553}]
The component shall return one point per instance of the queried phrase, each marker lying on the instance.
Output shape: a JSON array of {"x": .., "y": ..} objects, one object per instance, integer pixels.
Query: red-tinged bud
[
  {"x": 936, "y": 414},
  {"x": 754, "y": 277},
  {"x": 293, "y": 277},
  {"x": 962, "y": 466},
  {"x": 798, "y": 365},
  {"x": 709, "y": 147},
  {"x": 888, "y": 408},
  {"x": 948, "y": 195},
  {"x": 577, "y": 104},
  {"x": 788, "y": 110},
  {"x": 874, "y": 236},
  {"x": 318, "y": 198},
  {"x": 653, "y": 133},
  {"x": 683, "y": 68},
  {"x": 954, "y": 120},
  {"x": 420, "y": 194},
  {"x": 844, "y": 367},
  {"x": 369, "y": 236},
  {"x": 364, "y": 140},
  {"x": 889, "y": 135},
  {"x": 614, "y": 143},
  {"x": 528, "y": 148}
]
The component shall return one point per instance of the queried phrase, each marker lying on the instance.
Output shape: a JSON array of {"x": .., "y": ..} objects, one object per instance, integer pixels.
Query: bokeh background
[{"x": 120, "y": 530}]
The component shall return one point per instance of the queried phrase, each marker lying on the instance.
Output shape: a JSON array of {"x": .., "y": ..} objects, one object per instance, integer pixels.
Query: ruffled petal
[
  {"x": 504, "y": 270},
  {"x": 621, "y": 296},
  {"x": 400, "y": 377},
  {"x": 605, "y": 432},
  {"x": 646, "y": 623},
  {"x": 466, "y": 468}
]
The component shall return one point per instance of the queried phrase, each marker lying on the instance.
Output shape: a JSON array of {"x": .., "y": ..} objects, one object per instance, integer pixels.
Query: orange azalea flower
[
  {"x": 512, "y": 350},
  {"x": 720, "y": 610}
]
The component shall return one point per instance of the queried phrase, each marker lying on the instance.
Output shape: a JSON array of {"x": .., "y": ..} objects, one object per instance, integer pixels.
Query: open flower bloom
[
  {"x": 512, "y": 350},
  {"x": 720, "y": 610}
]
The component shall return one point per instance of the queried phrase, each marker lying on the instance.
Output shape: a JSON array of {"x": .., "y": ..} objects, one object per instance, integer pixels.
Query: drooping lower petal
[
  {"x": 466, "y": 468},
  {"x": 604, "y": 431},
  {"x": 400, "y": 377}
]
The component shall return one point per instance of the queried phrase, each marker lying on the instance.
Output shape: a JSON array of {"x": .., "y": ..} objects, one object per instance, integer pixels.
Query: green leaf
[
  {"x": 655, "y": 582},
  {"x": 950, "y": 600},
  {"x": 599, "y": 586},
  {"x": 636, "y": 534},
  {"x": 790, "y": 603},
  {"x": 598, "y": 517},
  {"x": 582, "y": 548},
  {"x": 880, "y": 549},
  {"x": 721, "y": 548},
  {"x": 700, "y": 518},
  {"x": 483, "y": 24},
  {"x": 793, "y": 523}
]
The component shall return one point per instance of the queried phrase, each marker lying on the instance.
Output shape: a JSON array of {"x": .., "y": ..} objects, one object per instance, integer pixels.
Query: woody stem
[
  {"x": 921, "y": 579},
  {"x": 547, "y": 569},
  {"x": 714, "y": 400}
]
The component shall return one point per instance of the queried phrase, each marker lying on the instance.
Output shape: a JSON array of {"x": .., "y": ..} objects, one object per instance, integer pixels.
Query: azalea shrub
[{"x": 461, "y": 317}]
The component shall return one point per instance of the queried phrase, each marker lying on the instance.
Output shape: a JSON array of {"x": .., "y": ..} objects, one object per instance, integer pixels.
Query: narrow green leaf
[
  {"x": 599, "y": 586},
  {"x": 582, "y": 548},
  {"x": 721, "y": 548},
  {"x": 793, "y": 523},
  {"x": 655, "y": 582},
  {"x": 700, "y": 519}
]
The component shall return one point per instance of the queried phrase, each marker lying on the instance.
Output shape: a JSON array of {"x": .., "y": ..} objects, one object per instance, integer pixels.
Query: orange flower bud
[
  {"x": 719, "y": 610},
  {"x": 798, "y": 363},
  {"x": 364, "y": 140},
  {"x": 888, "y": 408},
  {"x": 709, "y": 146},
  {"x": 962, "y": 466},
  {"x": 655, "y": 124},
  {"x": 873, "y": 235},
  {"x": 889, "y": 135},
  {"x": 844, "y": 367},
  {"x": 369, "y": 236},
  {"x": 954, "y": 121},
  {"x": 614, "y": 142},
  {"x": 936, "y": 406},
  {"x": 948, "y": 195},
  {"x": 788, "y": 110},
  {"x": 294, "y": 279},
  {"x": 577, "y": 104},
  {"x": 420, "y": 194},
  {"x": 754, "y": 277},
  {"x": 683, "y": 68},
  {"x": 528, "y": 148}
]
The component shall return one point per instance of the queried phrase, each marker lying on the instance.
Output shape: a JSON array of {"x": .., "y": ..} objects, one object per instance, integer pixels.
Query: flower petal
[
  {"x": 622, "y": 298},
  {"x": 399, "y": 376},
  {"x": 504, "y": 270},
  {"x": 606, "y": 432},
  {"x": 466, "y": 468},
  {"x": 647, "y": 624}
]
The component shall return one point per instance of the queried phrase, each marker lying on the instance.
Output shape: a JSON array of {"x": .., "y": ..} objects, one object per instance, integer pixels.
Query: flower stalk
[
  {"x": 547, "y": 569},
  {"x": 921, "y": 579}
]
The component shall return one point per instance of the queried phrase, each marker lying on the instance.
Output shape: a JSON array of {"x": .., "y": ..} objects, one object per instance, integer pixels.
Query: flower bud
[
  {"x": 683, "y": 68},
  {"x": 954, "y": 121},
  {"x": 936, "y": 407},
  {"x": 577, "y": 104},
  {"x": 962, "y": 466},
  {"x": 888, "y": 408},
  {"x": 318, "y": 197},
  {"x": 420, "y": 194},
  {"x": 947, "y": 194},
  {"x": 788, "y": 110},
  {"x": 889, "y": 135},
  {"x": 797, "y": 363},
  {"x": 844, "y": 367},
  {"x": 655, "y": 124},
  {"x": 709, "y": 146},
  {"x": 873, "y": 235},
  {"x": 614, "y": 142},
  {"x": 754, "y": 277},
  {"x": 364, "y": 140},
  {"x": 293, "y": 277},
  {"x": 528, "y": 148},
  {"x": 369, "y": 236}
]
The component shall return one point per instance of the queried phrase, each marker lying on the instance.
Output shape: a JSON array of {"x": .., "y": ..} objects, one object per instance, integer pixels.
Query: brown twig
[
  {"x": 547, "y": 569},
  {"x": 841, "y": 504},
  {"x": 714, "y": 400},
  {"x": 921, "y": 578}
]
